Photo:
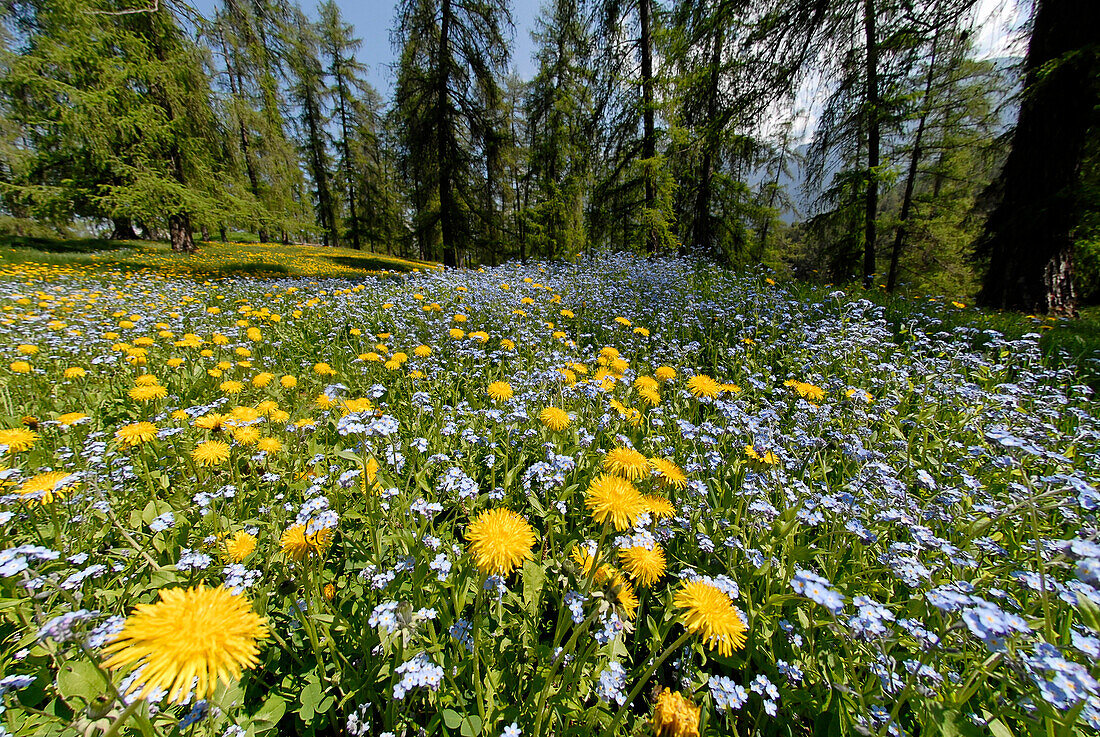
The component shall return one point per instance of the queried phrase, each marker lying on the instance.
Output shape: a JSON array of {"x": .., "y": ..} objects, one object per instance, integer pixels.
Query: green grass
[{"x": 214, "y": 260}]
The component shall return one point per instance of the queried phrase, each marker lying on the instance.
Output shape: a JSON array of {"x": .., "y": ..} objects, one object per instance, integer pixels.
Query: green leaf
[
  {"x": 534, "y": 577},
  {"x": 452, "y": 718},
  {"x": 471, "y": 726},
  {"x": 1089, "y": 612},
  {"x": 80, "y": 679},
  {"x": 269, "y": 715}
]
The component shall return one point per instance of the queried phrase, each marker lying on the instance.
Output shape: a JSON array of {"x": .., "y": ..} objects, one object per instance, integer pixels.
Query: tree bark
[
  {"x": 179, "y": 233},
  {"x": 649, "y": 135},
  {"x": 703, "y": 227},
  {"x": 1028, "y": 237},
  {"x": 123, "y": 230},
  {"x": 871, "y": 201},
  {"x": 447, "y": 205},
  {"x": 911, "y": 175}
]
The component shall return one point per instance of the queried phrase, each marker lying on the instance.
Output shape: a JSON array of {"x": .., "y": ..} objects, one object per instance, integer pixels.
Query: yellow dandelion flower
[
  {"x": 269, "y": 445},
  {"x": 148, "y": 393},
  {"x": 500, "y": 391},
  {"x": 18, "y": 439},
  {"x": 20, "y": 367},
  {"x": 651, "y": 396},
  {"x": 46, "y": 487},
  {"x": 554, "y": 418},
  {"x": 702, "y": 385},
  {"x": 422, "y": 351},
  {"x": 238, "y": 546},
  {"x": 644, "y": 565},
  {"x": 500, "y": 540},
  {"x": 246, "y": 435},
  {"x": 71, "y": 418},
  {"x": 675, "y": 716},
  {"x": 288, "y": 382},
  {"x": 26, "y": 349},
  {"x": 200, "y": 633},
  {"x": 137, "y": 433},
  {"x": 766, "y": 457},
  {"x": 262, "y": 379},
  {"x": 507, "y": 344},
  {"x": 710, "y": 613},
  {"x": 668, "y": 472},
  {"x": 323, "y": 369},
  {"x": 213, "y": 421},
  {"x": 614, "y": 499},
  {"x": 210, "y": 453},
  {"x": 231, "y": 387},
  {"x": 665, "y": 374},
  {"x": 658, "y": 506},
  {"x": 75, "y": 372},
  {"x": 299, "y": 546},
  {"x": 626, "y": 462}
]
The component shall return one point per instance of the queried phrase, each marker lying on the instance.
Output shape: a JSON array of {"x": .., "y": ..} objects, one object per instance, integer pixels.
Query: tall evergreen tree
[
  {"x": 1029, "y": 236},
  {"x": 311, "y": 94}
]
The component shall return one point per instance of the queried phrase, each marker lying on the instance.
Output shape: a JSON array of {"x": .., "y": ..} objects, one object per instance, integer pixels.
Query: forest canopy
[{"x": 924, "y": 163}]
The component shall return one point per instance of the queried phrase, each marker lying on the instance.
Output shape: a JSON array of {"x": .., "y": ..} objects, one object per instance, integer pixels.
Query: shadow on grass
[
  {"x": 251, "y": 268},
  {"x": 374, "y": 263},
  {"x": 67, "y": 245}
]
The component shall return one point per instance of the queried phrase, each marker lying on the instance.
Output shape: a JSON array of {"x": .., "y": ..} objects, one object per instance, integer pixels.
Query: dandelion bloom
[
  {"x": 269, "y": 445},
  {"x": 20, "y": 367},
  {"x": 554, "y": 418},
  {"x": 675, "y": 716},
  {"x": 262, "y": 379},
  {"x": 231, "y": 387},
  {"x": 213, "y": 421},
  {"x": 507, "y": 344},
  {"x": 199, "y": 633},
  {"x": 26, "y": 349},
  {"x": 766, "y": 457},
  {"x": 668, "y": 472},
  {"x": 422, "y": 351},
  {"x": 146, "y": 380},
  {"x": 75, "y": 372},
  {"x": 456, "y": 333},
  {"x": 71, "y": 418},
  {"x": 658, "y": 506},
  {"x": 18, "y": 439},
  {"x": 645, "y": 565},
  {"x": 614, "y": 499},
  {"x": 299, "y": 546},
  {"x": 137, "y": 433},
  {"x": 211, "y": 453},
  {"x": 665, "y": 373},
  {"x": 500, "y": 390},
  {"x": 702, "y": 385},
  {"x": 500, "y": 540},
  {"x": 709, "y": 612},
  {"x": 288, "y": 382},
  {"x": 246, "y": 435},
  {"x": 323, "y": 369},
  {"x": 239, "y": 546},
  {"x": 148, "y": 392},
  {"x": 46, "y": 487},
  {"x": 626, "y": 462}
]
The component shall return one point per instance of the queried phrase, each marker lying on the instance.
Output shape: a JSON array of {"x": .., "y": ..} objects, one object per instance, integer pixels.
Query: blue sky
[{"x": 374, "y": 19}]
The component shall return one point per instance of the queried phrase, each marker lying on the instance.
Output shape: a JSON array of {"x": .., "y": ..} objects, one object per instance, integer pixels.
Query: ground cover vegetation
[{"x": 614, "y": 497}]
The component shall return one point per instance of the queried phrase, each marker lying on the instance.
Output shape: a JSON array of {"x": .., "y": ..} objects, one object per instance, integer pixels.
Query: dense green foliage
[{"x": 648, "y": 126}]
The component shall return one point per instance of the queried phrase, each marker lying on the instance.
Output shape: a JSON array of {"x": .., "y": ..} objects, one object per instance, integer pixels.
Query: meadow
[{"x": 617, "y": 496}]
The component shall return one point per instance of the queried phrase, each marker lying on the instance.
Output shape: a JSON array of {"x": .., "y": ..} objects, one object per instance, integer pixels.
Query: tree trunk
[
  {"x": 911, "y": 175},
  {"x": 123, "y": 230},
  {"x": 871, "y": 202},
  {"x": 649, "y": 136},
  {"x": 447, "y": 205},
  {"x": 223, "y": 234},
  {"x": 703, "y": 230},
  {"x": 1028, "y": 237},
  {"x": 179, "y": 232}
]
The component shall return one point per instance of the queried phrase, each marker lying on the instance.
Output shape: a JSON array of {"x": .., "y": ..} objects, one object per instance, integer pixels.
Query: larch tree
[{"x": 1028, "y": 242}]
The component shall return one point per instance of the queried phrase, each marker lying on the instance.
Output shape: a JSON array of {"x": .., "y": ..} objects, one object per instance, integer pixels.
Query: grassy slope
[{"x": 213, "y": 260}]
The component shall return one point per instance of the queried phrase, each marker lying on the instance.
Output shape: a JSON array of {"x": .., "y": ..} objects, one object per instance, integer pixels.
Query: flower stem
[{"x": 642, "y": 681}]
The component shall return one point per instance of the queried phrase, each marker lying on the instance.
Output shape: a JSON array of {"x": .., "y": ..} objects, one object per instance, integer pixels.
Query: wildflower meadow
[{"x": 612, "y": 497}]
